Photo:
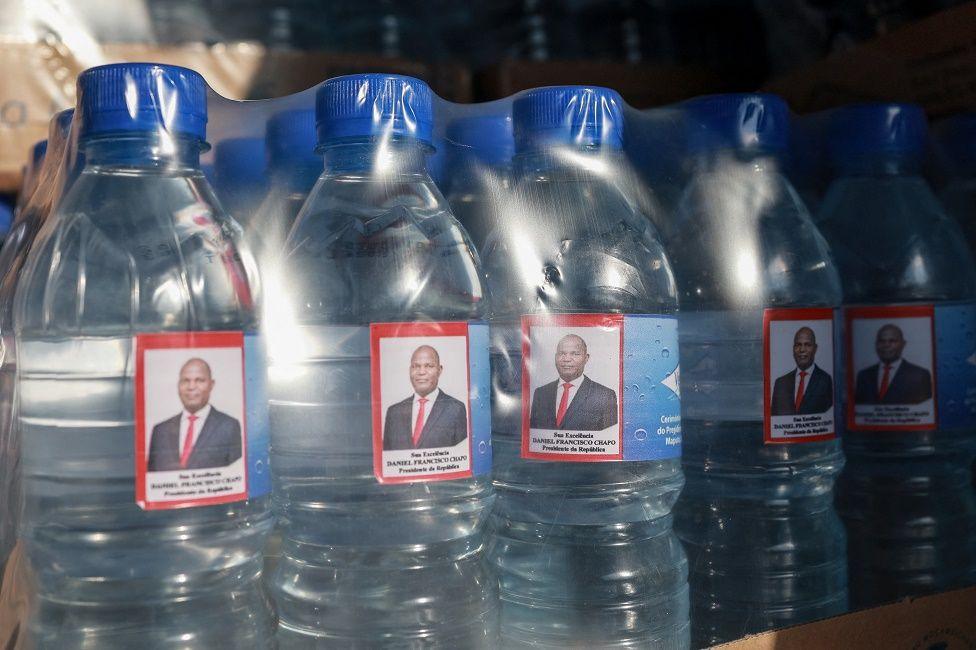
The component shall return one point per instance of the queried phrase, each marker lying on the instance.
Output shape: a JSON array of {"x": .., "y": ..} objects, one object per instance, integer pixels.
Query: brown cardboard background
[
  {"x": 944, "y": 621},
  {"x": 931, "y": 62}
]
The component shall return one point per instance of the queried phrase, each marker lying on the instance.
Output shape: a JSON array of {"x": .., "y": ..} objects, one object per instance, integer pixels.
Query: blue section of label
[
  {"x": 258, "y": 423},
  {"x": 480, "y": 369},
  {"x": 652, "y": 403},
  {"x": 955, "y": 334}
]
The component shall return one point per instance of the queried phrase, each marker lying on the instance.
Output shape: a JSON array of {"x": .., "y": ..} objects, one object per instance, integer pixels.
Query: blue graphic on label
[
  {"x": 258, "y": 419},
  {"x": 652, "y": 402},
  {"x": 956, "y": 375},
  {"x": 480, "y": 398},
  {"x": 600, "y": 387}
]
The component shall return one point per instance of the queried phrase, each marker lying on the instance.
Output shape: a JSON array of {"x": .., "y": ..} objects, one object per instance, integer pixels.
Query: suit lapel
[
  {"x": 172, "y": 440},
  {"x": 206, "y": 431},
  {"x": 578, "y": 399},
  {"x": 811, "y": 390},
  {"x": 435, "y": 412}
]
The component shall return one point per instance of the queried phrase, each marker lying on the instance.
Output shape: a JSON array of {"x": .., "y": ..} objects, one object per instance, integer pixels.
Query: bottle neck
[
  {"x": 715, "y": 161},
  {"x": 878, "y": 165},
  {"x": 578, "y": 161},
  {"x": 376, "y": 157},
  {"x": 144, "y": 151},
  {"x": 296, "y": 175}
]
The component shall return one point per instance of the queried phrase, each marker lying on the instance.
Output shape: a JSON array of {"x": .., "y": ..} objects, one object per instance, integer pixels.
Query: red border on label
[
  {"x": 193, "y": 340},
  {"x": 888, "y": 311},
  {"x": 615, "y": 321},
  {"x": 379, "y": 331},
  {"x": 792, "y": 314}
]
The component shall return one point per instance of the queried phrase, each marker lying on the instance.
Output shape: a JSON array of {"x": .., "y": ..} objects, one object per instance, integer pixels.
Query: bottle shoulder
[
  {"x": 894, "y": 241},
  {"x": 744, "y": 239},
  {"x": 138, "y": 252}
]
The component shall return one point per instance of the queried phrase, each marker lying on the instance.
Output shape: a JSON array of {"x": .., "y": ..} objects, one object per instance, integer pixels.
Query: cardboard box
[
  {"x": 642, "y": 85},
  {"x": 945, "y": 621},
  {"x": 39, "y": 80},
  {"x": 931, "y": 62},
  {"x": 287, "y": 72}
]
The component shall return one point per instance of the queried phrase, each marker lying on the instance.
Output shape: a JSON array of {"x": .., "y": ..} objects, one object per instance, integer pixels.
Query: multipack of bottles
[{"x": 378, "y": 370}]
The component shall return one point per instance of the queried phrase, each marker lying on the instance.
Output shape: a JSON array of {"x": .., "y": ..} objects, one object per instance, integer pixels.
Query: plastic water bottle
[
  {"x": 382, "y": 498},
  {"x": 134, "y": 318},
  {"x": 583, "y": 295},
  {"x": 293, "y": 168},
  {"x": 12, "y": 257},
  {"x": 956, "y": 140},
  {"x": 910, "y": 317},
  {"x": 758, "y": 293},
  {"x": 480, "y": 150},
  {"x": 241, "y": 176}
]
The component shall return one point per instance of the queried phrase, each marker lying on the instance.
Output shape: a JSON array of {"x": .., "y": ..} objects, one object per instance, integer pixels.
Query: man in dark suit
[
  {"x": 807, "y": 389},
  {"x": 574, "y": 402},
  {"x": 201, "y": 436},
  {"x": 894, "y": 380},
  {"x": 430, "y": 417}
]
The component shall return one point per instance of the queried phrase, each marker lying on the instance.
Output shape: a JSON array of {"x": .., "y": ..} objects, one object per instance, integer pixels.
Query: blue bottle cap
[
  {"x": 750, "y": 122},
  {"x": 877, "y": 129},
  {"x": 142, "y": 97},
  {"x": 38, "y": 151},
  {"x": 373, "y": 106},
  {"x": 240, "y": 162},
  {"x": 63, "y": 120},
  {"x": 290, "y": 138},
  {"x": 486, "y": 138},
  {"x": 6, "y": 215},
  {"x": 568, "y": 115},
  {"x": 956, "y": 139}
]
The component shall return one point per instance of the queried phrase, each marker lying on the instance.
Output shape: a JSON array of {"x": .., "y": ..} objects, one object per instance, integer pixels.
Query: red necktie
[
  {"x": 884, "y": 382},
  {"x": 563, "y": 403},
  {"x": 188, "y": 443},
  {"x": 799, "y": 390},
  {"x": 418, "y": 427}
]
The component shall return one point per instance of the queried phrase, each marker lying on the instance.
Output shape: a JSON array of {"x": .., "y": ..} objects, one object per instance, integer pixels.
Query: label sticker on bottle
[
  {"x": 798, "y": 371},
  {"x": 910, "y": 367},
  {"x": 600, "y": 387},
  {"x": 430, "y": 401},
  {"x": 201, "y": 419}
]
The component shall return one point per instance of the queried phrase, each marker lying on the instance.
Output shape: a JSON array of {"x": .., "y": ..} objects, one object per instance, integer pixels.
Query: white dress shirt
[
  {"x": 427, "y": 407},
  {"x": 806, "y": 384},
  {"x": 572, "y": 391},
  {"x": 891, "y": 373},
  {"x": 197, "y": 426}
]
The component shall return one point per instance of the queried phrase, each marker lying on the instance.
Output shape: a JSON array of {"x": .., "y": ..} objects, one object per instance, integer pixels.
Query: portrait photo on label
[
  {"x": 891, "y": 374},
  {"x": 799, "y": 375},
  {"x": 421, "y": 401},
  {"x": 572, "y": 387},
  {"x": 191, "y": 430}
]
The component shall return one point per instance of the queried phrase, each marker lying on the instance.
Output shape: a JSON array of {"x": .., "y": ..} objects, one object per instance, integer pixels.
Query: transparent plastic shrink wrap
[
  {"x": 953, "y": 144},
  {"x": 909, "y": 281},
  {"x": 332, "y": 401}
]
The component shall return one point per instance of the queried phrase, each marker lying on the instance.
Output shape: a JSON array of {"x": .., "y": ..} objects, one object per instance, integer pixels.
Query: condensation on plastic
[{"x": 580, "y": 216}]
